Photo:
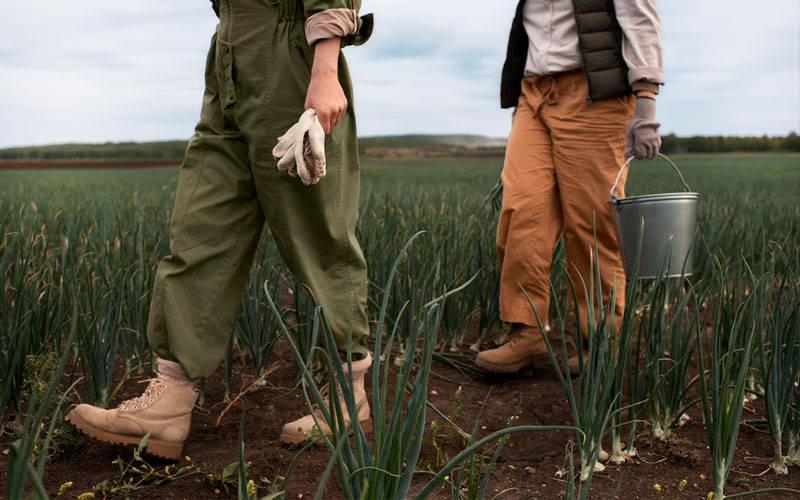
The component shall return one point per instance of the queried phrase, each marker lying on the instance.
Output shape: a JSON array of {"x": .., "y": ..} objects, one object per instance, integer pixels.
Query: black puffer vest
[{"x": 600, "y": 40}]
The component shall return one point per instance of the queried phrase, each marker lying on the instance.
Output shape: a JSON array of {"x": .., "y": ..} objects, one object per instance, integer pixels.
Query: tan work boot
[
  {"x": 303, "y": 429},
  {"x": 164, "y": 410},
  {"x": 574, "y": 362},
  {"x": 525, "y": 346}
]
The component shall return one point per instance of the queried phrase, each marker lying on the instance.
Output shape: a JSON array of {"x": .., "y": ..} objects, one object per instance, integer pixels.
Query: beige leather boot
[
  {"x": 574, "y": 363},
  {"x": 525, "y": 347},
  {"x": 303, "y": 429},
  {"x": 164, "y": 410}
]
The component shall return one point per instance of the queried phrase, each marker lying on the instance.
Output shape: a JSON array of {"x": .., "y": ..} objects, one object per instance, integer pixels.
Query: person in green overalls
[{"x": 268, "y": 63}]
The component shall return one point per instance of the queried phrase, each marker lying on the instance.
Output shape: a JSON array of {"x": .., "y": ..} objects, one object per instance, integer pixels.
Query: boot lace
[
  {"x": 325, "y": 392},
  {"x": 154, "y": 390},
  {"x": 515, "y": 335}
]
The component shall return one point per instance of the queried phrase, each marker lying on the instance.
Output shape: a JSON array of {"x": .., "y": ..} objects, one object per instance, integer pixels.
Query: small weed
[
  {"x": 138, "y": 473},
  {"x": 39, "y": 374},
  {"x": 742, "y": 482}
]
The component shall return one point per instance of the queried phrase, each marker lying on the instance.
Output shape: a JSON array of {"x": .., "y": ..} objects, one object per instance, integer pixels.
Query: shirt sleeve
[
  {"x": 641, "y": 40},
  {"x": 336, "y": 19}
]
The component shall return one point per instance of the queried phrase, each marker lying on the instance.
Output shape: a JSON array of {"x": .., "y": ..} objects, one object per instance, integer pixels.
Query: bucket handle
[{"x": 622, "y": 169}]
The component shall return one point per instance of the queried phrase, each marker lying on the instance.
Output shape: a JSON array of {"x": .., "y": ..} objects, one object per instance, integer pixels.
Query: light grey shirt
[{"x": 553, "y": 38}]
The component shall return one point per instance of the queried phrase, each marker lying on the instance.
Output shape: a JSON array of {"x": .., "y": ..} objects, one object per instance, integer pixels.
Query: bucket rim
[{"x": 655, "y": 197}]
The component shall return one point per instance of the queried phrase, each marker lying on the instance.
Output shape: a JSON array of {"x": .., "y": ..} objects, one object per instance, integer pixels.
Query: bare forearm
[
  {"x": 325, "y": 94},
  {"x": 326, "y": 57}
]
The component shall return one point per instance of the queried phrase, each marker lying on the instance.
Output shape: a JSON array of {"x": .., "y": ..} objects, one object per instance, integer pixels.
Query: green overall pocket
[{"x": 225, "y": 73}]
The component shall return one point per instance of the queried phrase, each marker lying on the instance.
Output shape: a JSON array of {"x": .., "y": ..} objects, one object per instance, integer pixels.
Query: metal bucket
[{"x": 665, "y": 225}]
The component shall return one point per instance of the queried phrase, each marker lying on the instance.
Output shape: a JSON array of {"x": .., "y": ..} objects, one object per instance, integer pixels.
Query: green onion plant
[
  {"x": 722, "y": 386},
  {"x": 21, "y": 469},
  {"x": 676, "y": 346},
  {"x": 596, "y": 392},
  {"x": 779, "y": 355},
  {"x": 256, "y": 326}
]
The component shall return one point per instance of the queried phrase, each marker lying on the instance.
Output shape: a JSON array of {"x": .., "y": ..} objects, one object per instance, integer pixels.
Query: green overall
[{"x": 257, "y": 74}]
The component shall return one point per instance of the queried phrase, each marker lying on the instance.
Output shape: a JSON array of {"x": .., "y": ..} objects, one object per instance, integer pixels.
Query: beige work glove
[
  {"x": 643, "y": 140},
  {"x": 301, "y": 150}
]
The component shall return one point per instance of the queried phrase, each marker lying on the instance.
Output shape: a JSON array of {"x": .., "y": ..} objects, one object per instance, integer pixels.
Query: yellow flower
[
  {"x": 188, "y": 458},
  {"x": 251, "y": 488},
  {"x": 682, "y": 485},
  {"x": 64, "y": 487},
  {"x": 657, "y": 487},
  {"x": 710, "y": 495},
  {"x": 86, "y": 496}
]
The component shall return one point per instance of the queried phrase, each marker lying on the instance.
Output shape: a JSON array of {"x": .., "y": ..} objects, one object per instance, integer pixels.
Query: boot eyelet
[
  {"x": 135, "y": 407},
  {"x": 158, "y": 394},
  {"x": 124, "y": 408},
  {"x": 152, "y": 400},
  {"x": 144, "y": 405}
]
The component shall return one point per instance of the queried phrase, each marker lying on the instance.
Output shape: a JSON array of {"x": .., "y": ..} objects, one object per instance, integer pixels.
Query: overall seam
[
  {"x": 178, "y": 240},
  {"x": 204, "y": 321},
  {"x": 179, "y": 236},
  {"x": 163, "y": 312},
  {"x": 343, "y": 233},
  {"x": 229, "y": 27}
]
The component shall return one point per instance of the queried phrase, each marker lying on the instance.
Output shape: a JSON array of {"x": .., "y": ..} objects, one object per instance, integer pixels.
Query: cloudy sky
[{"x": 99, "y": 70}]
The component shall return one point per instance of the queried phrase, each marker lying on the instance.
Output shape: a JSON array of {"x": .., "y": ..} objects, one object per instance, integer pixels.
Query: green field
[
  {"x": 109, "y": 227},
  {"x": 79, "y": 249}
]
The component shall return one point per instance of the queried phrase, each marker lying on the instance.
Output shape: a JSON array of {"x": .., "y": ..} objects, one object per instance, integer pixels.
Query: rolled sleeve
[
  {"x": 336, "y": 19},
  {"x": 331, "y": 23},
  {"x": 641, "y": 43}
]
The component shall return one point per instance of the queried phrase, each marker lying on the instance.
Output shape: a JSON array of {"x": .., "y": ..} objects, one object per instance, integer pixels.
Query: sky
[{"x": 99, "y": 70}]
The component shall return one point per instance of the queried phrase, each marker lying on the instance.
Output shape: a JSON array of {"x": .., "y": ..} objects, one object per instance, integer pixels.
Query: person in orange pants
[{"x": 579, "y": 99}]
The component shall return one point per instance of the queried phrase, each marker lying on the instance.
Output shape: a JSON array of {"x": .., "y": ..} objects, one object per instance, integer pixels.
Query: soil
[{"x": 526, "y": 468}]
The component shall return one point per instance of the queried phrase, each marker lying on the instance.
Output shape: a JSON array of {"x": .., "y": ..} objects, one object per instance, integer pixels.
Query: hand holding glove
[
  {"x": 301, "y": 150},
  {"x": 643, "y": 140}
]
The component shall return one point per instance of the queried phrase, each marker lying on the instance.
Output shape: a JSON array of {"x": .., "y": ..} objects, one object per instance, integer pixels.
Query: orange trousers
[{"x": 563, "y": 156}]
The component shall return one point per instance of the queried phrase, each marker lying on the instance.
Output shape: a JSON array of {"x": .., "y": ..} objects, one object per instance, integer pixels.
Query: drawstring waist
[
  {"x": 546, "y": 91},
  {"x": 544, "y": 88},
  {"x": 247, "y": 28},
  {"x": 286, "y": 9}
]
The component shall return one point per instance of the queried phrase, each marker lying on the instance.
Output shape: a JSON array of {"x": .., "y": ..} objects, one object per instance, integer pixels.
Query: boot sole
[
  {"x": 366, "y": 425},
  {"x": 163, "y": 449},
  {"x": 512, "y": 368}
]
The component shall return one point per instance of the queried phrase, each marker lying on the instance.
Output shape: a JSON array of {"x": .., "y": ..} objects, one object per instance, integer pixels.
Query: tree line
[
  {"x": 162, "y": 150},
  {"x": 672, "y": 144},
  {"x": 174, "y": 150}
]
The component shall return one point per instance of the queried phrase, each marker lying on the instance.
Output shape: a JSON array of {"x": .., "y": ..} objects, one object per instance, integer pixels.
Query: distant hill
[
  {"x": 431, "y": 145},
  {"x": 465, "y": 141}
]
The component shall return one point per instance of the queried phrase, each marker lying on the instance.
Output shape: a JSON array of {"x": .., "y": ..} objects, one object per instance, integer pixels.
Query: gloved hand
[
  {"x": 643, "y": 140},
  {"x": 301, "y": 150}
]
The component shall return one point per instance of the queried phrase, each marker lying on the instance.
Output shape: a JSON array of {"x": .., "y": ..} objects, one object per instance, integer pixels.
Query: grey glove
[{"x": 643, "y": 140}]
